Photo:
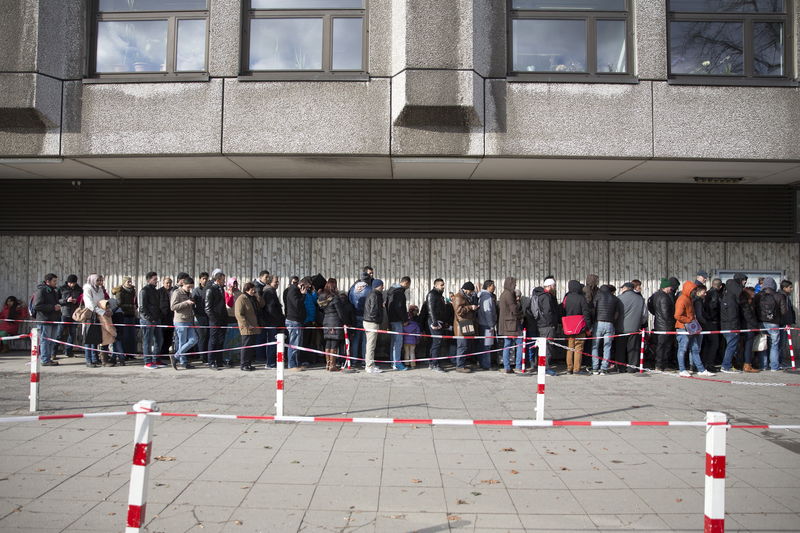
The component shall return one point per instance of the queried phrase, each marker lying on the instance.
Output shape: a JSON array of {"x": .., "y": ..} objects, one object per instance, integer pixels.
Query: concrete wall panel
[
  {"x": 112, "y": 257},
  {"x": 726, "y": 122},
  {"x": 234, "y": 255},
  {"x": 585, "y": 120},
  {"x": 18, "y": 35},
  {"x": 62, "y": 38},
  {"x": 459, "y": 260},
  {"x": 394, "y": 258},
  {"x": 650, "y": 33},
  {"x": 380, "y": 37},
  {"x": 307, "y": 118},
  {"x": 642, "y": 260},
  {"x": 340, "y": 258},
  {"x": 164, "y": 255},
  {"x": 224, "y": 38},
  {"x": 577, "y": 259},
  {"x": 282, "y": 256},
  {"x": 30, "y": 115},
  {"x": 142, "y": 118},
  {"x": 525, "y": 259}
]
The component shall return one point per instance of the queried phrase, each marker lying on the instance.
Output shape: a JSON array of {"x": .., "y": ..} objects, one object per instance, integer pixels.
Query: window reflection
[
  {"x": 549, "y": 45},
  {"x": 286, "y": 44},
  {"x": 307, "y": 4},
  {"x": 347, "y": 36},
  {"x": 707, "y": 48},
  {"x": 191, "y": 45},
  {"x": 611, "y": 46},
  {"x": 567, "y": 5},
  {"x": 768, "y": 48},
  {"x": 132, "y": 46},
  {"x": 151, "y": 5},
  {"x": 727, "y": 6}
]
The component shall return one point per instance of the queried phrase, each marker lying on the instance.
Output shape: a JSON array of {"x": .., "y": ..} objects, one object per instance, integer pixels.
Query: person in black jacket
[
  {"x": 46, "y": 307},
  {"x": 150, "y": 316},
  {"x": 373, "y": 316},
  {"x": 397, "y": 311},
  {"x": 605, "y": 312},
  {"x": 575, "y": 304},
  {"x": 662, "y": 306},
  {"x": 711, "y": 342},
  {"x": 547, "y": 314},
  {"x": 217, "y": 313},
  {"x": 333, "y": 319},
  {"x": 272, "y": 313},
  {"x": 749, "y": 321},
  {"x": 770, "y": 308},
  {"x": 200, "y": 316},
  {"x": 788, "y": 319},
  {"x": 436, "y": 321},
  {"x": 731, "y": 318},
  {"x": 295, "y": 316},
  {"x": 68, "y": 300}
]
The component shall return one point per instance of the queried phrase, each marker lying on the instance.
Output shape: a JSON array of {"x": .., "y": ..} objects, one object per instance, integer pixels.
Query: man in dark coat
[
  {"x": 547, "y": 314},
  {"x": 397, "y": 313},
  {"x": 770, "y": 308},
  {"x": 68, "y": 300},
  {"x": 217, "y": 313},
  {"x": 295, "y": 317},
  {"x": 711, "y": 342},
  {"x": 635, "y": 318},
  {"x": 662, "y": 306},
  {"x": 789, "y": 319},
  {"x": 730, "y": 314},
  {"x": 575, "y": 304},
  {"x": 605, "y": 312},
  {"x": 273, "y": 317},
  {"x": 150, "y": 316},
  {"x": 436, "y": 321},
  {"x": 46, "y": 307}
]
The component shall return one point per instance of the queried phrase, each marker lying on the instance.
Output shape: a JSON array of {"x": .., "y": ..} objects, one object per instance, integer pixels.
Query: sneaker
[
  {"x": 463, "y": 370},
  {"x": 174, "y": 362},
  {"x": 730, "y": 370},
  {"x": 187, "y": 366},
  {"x": 159, "y": 364},
  {"x": 400, "y": 366},
  {"x": 707, "y": 373},
  {"x": 595, "y": 372},
  {"x": 509, "y": 371},
  {"x": 601, "y": 373},
  {"x": 296, "y": 369},
  {"x": 374, "y": 370},
  {"x": 50, "y": 363},
  {"x": 151, "y": 366},
  {"x": 228, "y": 364},
  {"x": 550, "y": 372},
  {"x": 438, "y": 369},
  {"x": 685, "y": 374}
]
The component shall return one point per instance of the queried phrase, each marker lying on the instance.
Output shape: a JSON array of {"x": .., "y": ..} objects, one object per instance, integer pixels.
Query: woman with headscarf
[
  {"x": 93, "y": 294},
  {"x": 233, "y": 338},
  {"x": 12, "y": 310}
]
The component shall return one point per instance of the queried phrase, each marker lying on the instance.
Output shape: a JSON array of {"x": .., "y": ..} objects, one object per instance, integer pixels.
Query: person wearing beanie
[
  {"x": 662, "y": 306},
  {"x": 69, "y": 293},
  {"x": 770, "y": 309},
  {"x": 373, "y": 316},
  {"x": 464, "y": 324}
]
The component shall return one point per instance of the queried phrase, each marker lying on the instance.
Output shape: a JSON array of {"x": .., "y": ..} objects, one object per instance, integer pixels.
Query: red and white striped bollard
[
  {"x": 346, "y": 350},
  {"x": 279, "y": 374},
  {"x": 641, "y": 354},
  {"x": 524, "y": 336},
  {"x": 715, "y": 472},
  {"x": 791, "y": 346},
  {"x": 35, "y": 376},
  {"x": 541, "y": 345},
  {"x": 142, "y": 447}
]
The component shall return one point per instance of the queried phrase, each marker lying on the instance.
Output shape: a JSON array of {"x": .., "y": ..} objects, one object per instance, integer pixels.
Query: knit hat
[
  {"x": 468, "y": 286},
  {"x": 549, "y": 282},
  {"x": 702, "y": 273},
  {"x": 739, "y": 276},
  {"x": 72, "y": 278},
  {"x": 628, "y": 285},
  {"x": 377, "y": 283},
  {"x": 215, "y": 272},
  {"x": 664, "y": 283},
  {"x": 769, "y": 283}
]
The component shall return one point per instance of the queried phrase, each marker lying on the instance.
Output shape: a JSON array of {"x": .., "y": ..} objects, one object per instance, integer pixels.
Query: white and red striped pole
[
  {"x": 279, "y": 375},
  {"x": 715, "y": 472},
  {"x": 791, "y": 346},
  {"x": 524, "y": 338},
  {"x": 541, "y": 345},
  {"x": 142, "y": 445},
  {"x": 641, "y": 354},
  {"x": 346, "y": 350},
  {"x": 34, "y": 395}
]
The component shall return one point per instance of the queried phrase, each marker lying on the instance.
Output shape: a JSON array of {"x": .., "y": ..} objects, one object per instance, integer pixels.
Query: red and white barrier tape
[
  {"x": 715, "y": 332},
  {"x": 16, "y": 337},
  {"x": 97, "y": 350}
]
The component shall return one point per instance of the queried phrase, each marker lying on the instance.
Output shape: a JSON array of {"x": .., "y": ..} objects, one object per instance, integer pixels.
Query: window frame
[
  {"x": 749, "y": 78},
  {"x": 172, "y": 18},
  {"x": 591, "y": 18},
  {"x": 326, "y": 73}
]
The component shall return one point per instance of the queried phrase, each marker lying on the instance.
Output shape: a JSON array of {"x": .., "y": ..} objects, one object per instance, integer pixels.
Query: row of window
[{"x": 556, "y": 39}]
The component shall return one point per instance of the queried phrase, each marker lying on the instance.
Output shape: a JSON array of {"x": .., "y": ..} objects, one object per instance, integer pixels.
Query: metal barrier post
[
  {"x": 346, "y": 350},
  {"x": 791, "y": 346},
  {"x": 35, "y": 376},
  {"x": 641, "y": 354},
  {"x": 142, "y": 446},
  {"x": 715, "y": 472},
  {"x": 279, "y": 375},
  {"x": 541, "y": 344},
  {"x": 524, "y": 348}
]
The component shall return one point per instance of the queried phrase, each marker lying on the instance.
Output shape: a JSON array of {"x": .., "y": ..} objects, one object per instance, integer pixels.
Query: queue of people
[{"x": 601, "y": 325}]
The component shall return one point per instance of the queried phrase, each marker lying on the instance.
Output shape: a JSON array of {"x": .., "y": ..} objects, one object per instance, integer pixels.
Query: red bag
[{"x": 573, "y": 324}]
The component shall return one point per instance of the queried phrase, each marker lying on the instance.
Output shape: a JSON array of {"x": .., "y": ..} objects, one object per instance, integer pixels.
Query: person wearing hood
[
  {"x": 731, "y": 318},
  {"x": 605, "y": 311},
  {"x": 547, "y": 314},
  {"x": 125, "y": 293},
  {"x": 397, "y": 311},
  {"x": 749, "y": 321},
  {"x": 509, "y": 316},
  {"x": 712, "y": 341},
  {"x": 662, "y": 307},
  {"x": 69, "y": 294},
  {"x": 590, "y": 290},
  {"x": 358, "y": 296},
  {"x": 684, "y": 314},
  {"x": 464, "y": 325},
  {"x": 373, "y": 316},
  {"x": 486, "y": 315},
  {"x": 618, "y": 344},
  {"x": 575, "y": 304},
  {"x": 634, "y": 319},
  {"x": 46, "y": 307},
  {"x": 295, "y": 316},
  {"x": 770, "y": 308}
]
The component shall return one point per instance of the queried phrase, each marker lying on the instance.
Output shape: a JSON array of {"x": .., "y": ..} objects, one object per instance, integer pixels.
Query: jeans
[
  {"x": 731, "y": 345},
  {"x": 508, "y": 344},
  {"x": 152, "y": 338},
  {"x": 462, "y": 347},
  {"x": 187, "y": 338},
  {"x": 358, "y": 341},
  {"x": 774, "y": 347},
  {"x": 71, "y": 334},
  {"x": 90, "y": 353},
  {"x": 47, "y": 348},
  {"x": 272, "y": 351},
  {"x": 295, "y": 338},
  {"x": 692, "y": 344},
  {"x": 436, "y": 349},
  {"x": 397, "y": 342},
  {"x": 750, "y": 336},
  {"x": 602, "y": 329}
]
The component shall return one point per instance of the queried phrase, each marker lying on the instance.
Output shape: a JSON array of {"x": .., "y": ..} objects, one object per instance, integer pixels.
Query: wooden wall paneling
[
  {"x": 282, "y": 256},
  {"x": 113, "y": 257},
  {"x": 61, "y": 255},
  {"x": 234, "y": 255},
  {"x": 341, "y": 258},
  {"x": 459, "y": 260},
  {"x": 164, "y": 255},
  {"x": 685, "y": 258},
  {"x": 394, "y": 258},
  {"x": 577, "y": 259},
  {"x": 763, "y": 255},
  {"x": 642, "y": 260},
  {"x": 524, "y": 259}
]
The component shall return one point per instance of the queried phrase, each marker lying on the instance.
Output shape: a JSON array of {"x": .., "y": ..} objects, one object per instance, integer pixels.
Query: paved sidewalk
[{"x": 240, "y": 476}]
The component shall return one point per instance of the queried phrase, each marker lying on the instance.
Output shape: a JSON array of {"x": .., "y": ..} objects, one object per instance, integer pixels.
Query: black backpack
[
  {"x": 535, "y": 310},
  {"x": 770, "y": 308}
]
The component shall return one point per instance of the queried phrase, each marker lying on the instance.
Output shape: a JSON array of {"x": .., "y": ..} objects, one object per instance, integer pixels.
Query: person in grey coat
[
  {"x": 486, "y": 315},
  {"x": 635, "y": 318}
]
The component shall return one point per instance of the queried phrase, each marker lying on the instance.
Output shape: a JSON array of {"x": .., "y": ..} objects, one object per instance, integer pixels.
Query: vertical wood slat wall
[{"x": 24, "y": 260}]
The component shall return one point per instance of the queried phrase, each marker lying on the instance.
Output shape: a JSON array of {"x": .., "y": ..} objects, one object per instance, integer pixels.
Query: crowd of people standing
[{"x": 216, "y": 318}]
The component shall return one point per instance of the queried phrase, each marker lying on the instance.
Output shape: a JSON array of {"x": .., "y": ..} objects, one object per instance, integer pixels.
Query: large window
[
  {"x": 149, "y": 38},
  {"x": 570, "y": 40},
  {"x": 316, "y": 39},
  {"x": 728, "y": 39}
]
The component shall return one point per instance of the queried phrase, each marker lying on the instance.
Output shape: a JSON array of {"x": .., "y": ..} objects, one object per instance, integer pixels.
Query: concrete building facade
[{"x": 448, "y": 151}]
